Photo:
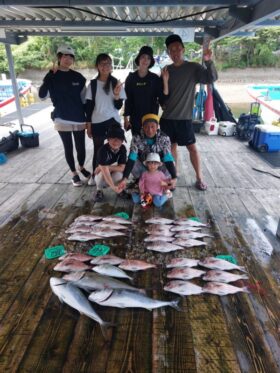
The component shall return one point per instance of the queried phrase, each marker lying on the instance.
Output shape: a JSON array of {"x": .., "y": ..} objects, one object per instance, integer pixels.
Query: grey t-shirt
[{"x": 182, "y": 82}]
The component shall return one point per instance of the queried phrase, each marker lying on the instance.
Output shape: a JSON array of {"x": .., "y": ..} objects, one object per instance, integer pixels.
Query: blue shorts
[{"x": 180, "y": 132}]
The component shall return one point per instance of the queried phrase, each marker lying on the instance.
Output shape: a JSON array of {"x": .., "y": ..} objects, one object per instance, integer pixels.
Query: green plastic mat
[
  {"x": 195, "y": 218},
  {"x": 123, "y": 215},
  {"x": 229, "y": 258},
  {"x": 98, "y": 250},
  {"x": 54, "y": 252}
]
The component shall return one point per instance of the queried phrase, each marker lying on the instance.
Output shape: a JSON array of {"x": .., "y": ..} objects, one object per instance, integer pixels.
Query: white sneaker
[
  {"x": 91, "y": 181},
  {"x": 168, "y": 193}
]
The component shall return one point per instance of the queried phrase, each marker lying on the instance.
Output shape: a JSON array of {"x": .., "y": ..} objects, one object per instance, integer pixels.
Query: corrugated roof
[{"x": 217, "y": 18}]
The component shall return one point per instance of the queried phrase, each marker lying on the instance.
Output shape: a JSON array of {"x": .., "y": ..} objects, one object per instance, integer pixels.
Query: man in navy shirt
[{"x": 111, "y": 159}]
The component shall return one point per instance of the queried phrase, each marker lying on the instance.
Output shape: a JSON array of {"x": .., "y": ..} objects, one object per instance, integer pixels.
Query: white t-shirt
[{"x": 104, "y": 108}]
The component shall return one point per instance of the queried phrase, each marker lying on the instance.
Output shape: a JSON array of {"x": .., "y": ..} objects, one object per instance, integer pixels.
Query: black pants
[
  {"x": 79, "y": 139},
  {"x": 99, "y": 135}
]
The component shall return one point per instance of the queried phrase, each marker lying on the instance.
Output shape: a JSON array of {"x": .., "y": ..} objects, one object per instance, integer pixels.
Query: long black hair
[{"x": 110, "y": 80}]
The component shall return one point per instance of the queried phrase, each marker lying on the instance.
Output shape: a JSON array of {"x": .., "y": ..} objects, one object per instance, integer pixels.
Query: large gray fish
[
  {"x": 158, "y": 220},
  {"x": 182, "y": 262},
  {"x": 110, "y": 225},
  {"x": 185, "y": 234},
  {"x": 83, "y": 237},
  {"x": 76, "y": 256},
  {"x": 135, "y": 265},
  {"x": 185, "y": 273},
  {"x": 107, "y": 259},
  {"x": 219, "y": 288},
  {"x": 217, "y": 263},
  {"x": 110, "y": 270},
  {"x": 117, "y": 219},
  {"x": 183, "y": 287},
  {"x": 71, "y": 295},
  {"x": 184, "y": 228},
  {"x": 94, "y": 281},
  {"x": 129, "y": 299},
  {"x": 88, "y": 218},
  {"x": 69, "y": 265},
  {"x": 188, "y": 242},
  {"x": 163, "y": 247},
  {"x": 189, "y": 222},
  {"x": 223, "y": 276},
  {"x": 154, "y": 238}
]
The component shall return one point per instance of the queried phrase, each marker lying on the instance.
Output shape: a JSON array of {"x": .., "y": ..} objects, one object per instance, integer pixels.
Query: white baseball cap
[
  {"x": 65, "y": 49},
  {"x": 152, "y": 157}
]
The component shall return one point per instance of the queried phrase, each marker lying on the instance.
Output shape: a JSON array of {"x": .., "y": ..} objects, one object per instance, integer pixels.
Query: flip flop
[{"x": 200, "y": 185}]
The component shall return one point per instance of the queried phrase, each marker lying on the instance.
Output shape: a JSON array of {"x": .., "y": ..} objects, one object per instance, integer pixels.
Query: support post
[{"x": 14, "y": 82}]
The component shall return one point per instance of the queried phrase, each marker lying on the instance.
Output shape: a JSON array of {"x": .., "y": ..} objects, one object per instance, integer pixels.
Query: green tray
[
  {"x": 229, "y": 258},
  {"x": 54, "y": 252},
  {"x": 99, "y": 250},
  {"x": 123, "y": 215}
]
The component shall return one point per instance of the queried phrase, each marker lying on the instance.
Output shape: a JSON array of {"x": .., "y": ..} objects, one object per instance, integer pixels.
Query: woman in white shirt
[{"x": 105, "y": 95}]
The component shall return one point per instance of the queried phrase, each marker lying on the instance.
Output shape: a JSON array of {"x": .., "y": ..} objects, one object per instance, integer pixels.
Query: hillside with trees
[{"x": 262, "y": 50}]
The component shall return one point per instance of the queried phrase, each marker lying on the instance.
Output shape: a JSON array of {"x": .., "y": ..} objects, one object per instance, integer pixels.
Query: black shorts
[
  {"x": 101, "y": 129},
  {"x": 180, "y": 132}
]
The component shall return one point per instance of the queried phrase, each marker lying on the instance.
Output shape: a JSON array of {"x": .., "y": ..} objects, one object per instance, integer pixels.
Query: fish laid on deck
[
  {"x": 158, "y": 220},
  {"x": 217, "y": 263},
  {"x": 76, "y": 256},
  {"x": 88, "y": 218},
  {"x": 117, "y": 219},
  {"x": 80, "y": 229},
  {"x": 182, "y": 262},
  {"x": 184, "y": 228},
  {"x": 71, "y": 295},
  {"x": 223, "y": 276},
  {"x": 129, "y": 299},
  {"x": 183, "y": 287},
  {"x": 136, "y": 265},
  {"x": 185, "y": 273},
  {"x": 193, "y": 235},
  {"x": 111, "y": 225},
  {"x": 163, "y": 230},
  {"x": 189, "y": 222},
  {"x": 163, "y": 247},
  {"x": 107, "y": 259},
  {"x": 83, "y": 237},
  {"x": 188, "y": 242},
  {"x": 158, "y": 237},
  {"x": 94, "y": 281},
  {"x": 218, "y": 288},
  {"x": 110, "y": 270},
  {"x": 69, "y": 265}
]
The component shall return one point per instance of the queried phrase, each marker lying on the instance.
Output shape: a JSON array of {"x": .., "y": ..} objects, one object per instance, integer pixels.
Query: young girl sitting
[{"x": 153, "y": 184}]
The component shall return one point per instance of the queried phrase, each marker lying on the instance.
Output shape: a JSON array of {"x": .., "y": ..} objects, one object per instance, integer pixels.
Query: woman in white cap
[
  {"x": 144, "y": 89},
  {"x": 153, "y": 184},
  {"x": 66, "y": 88}
]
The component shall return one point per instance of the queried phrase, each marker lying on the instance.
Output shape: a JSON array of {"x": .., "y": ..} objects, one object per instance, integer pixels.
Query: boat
[
  {"x": 269, "y": 98},
  {"x": 7, "y": 93}
]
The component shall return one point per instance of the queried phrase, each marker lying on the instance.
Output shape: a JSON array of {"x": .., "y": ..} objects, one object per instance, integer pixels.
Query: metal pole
[{"x": 14, "y": 81}]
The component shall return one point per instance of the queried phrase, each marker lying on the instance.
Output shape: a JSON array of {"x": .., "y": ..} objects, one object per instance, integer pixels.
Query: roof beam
[{"x": 66, "y": 3}]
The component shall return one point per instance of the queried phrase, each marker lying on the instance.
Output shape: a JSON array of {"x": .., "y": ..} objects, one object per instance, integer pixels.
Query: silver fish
[
  {"x": 106, "y": 232},
  {"x": 219, "y": 288},
  {"x": 71, "y": 295},
  {"x": 158, "y": 220},
  {"x": 117, "y": 219},
  {"x": 83, "y": 237},
  {"x": 84, "y": 223},
  {"x": 76, "y": 256},
  {"x": 107, "y": 259},
  {"x": 183, "y": 228},
  {"x": 110, "y": 270},
  {"x": 185, "y": 273},
  {"x": 69, "y": 265},
  {"x": 188, "y": 242},
  {"x": 182, "y": 262},
  {"x": 88, "y": 218},
  {"x": 223, "y": 276},
  {"x": 190, "y": 222},
  {"x": 80, "y": 229},
  {"x": 154, "y": 238},
  {"x": 129, "y": 299},
  {"x": 110, "y": 225},
  {"x": 135, "y": 265},
  {"x": 217, "y": 263},
  {"x": 163, "y": 247},
  {"x": 94, "y": 281},
  {"x": 154, "y": 229},
  {"x": 185, "y": 234},
  {"x": 183, "y": 287}
]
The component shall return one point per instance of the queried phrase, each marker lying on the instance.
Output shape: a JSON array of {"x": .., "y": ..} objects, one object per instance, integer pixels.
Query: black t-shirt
[{"x": 106, "y": 157}]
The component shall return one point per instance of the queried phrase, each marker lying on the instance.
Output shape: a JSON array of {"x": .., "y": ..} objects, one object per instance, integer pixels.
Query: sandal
[{"x": 200, "y": 185}]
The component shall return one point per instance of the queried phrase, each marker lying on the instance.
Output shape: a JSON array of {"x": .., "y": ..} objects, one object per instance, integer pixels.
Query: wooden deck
[{"x": 230, "y": 334}]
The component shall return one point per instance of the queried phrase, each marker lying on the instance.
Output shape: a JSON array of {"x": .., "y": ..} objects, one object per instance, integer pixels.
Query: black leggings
[{"x": 79, "y": 139}]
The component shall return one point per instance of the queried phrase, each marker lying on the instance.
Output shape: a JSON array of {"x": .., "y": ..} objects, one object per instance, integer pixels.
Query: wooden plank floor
[{"x": 237, "y": 333}]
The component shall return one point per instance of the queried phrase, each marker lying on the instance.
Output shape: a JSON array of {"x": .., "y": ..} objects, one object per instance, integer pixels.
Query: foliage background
[{"x": 262, "y": 50}]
